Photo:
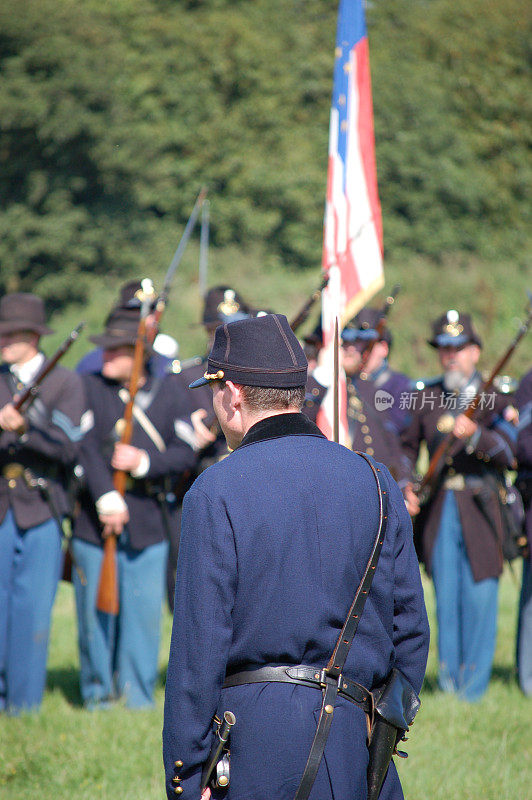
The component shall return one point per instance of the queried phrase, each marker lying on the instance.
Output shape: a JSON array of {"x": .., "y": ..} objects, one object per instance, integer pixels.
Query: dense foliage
[{"x": 112, "y": 115}]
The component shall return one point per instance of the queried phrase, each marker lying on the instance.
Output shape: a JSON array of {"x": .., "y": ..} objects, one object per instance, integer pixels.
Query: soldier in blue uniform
[
  {"x": 38, "y": 448},
  {"x": 362, "y": 332},
  {"x": 274, "y": 541},
  {"x": 118, "y": 655},
  {"x": 370, "y": 427},
  {"x": 164, "y": 350},
  {"x": 523, "y": 400},
  {"x": 461, "y": 532}
]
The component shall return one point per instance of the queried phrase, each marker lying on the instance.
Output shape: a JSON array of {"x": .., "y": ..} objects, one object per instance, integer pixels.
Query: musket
[
  {"x": 107, "y": 599},
  {"x": 163, "y": 297},
  {"x": 302, "y": 315},
  {"x": 30, "y": 393},
  {"x": 381, "y": 327},
  {"x": 427, "y": 485},
  {"x": 221, "y": 737}
]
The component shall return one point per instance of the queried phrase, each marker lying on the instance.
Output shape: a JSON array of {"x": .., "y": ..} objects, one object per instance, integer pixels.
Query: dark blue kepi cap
[
  {"x": 453, "y": 329},
  {"x": 260, "y": 351}
]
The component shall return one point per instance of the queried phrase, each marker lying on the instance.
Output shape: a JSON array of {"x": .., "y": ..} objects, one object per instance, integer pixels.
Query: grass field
[{"x": 458, "y": 751}]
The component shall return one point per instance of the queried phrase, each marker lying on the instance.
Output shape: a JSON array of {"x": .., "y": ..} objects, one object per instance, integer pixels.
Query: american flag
[{"x": 352, "y": 237}]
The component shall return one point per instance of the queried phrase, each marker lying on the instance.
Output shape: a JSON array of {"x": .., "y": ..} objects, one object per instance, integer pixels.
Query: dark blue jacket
[{"x": 274, "y": 541}]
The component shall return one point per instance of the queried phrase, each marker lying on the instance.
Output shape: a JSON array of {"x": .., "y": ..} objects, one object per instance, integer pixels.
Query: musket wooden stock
[
  {"x": 30, "y": 392},
  {"x": 426, "y": 486},
  {"x": 107, "y": 599}
]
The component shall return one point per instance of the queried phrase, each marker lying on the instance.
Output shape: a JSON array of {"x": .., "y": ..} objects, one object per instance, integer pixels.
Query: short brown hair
[{"x": 262, "y": 398}]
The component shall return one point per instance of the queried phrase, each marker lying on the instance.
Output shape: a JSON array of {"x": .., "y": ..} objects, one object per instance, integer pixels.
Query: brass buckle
[{"x": 12, "y": 471}]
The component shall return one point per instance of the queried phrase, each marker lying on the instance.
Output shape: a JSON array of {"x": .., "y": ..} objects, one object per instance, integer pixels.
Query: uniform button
[
  {"x": 365, "y": 429},
  {"x": 177, "y": 779},
  {"x": 448, "y": 461},
  {"x": 315, "y": 392},
  {"x": 362, "y": 417},
  {"x": 367, "y": 440},
  {"x": 178, "y": 790},
  {"x": 451, "y": 471},
  {"x": 370, "y": 451},
  {"x": 12, "y": 483},
  {"x": 178, "y": 764}
]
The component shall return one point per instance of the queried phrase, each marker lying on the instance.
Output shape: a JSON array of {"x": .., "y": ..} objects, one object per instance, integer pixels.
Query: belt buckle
[
  {"x": 455, "y": 482},
  {"x": 12, "y": 471},
  {"x": 325, "y": 678}
]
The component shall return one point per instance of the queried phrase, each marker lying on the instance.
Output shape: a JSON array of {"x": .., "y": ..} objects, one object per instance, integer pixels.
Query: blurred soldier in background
[
  {"x": 38, "y": 447},
  {"x": 164, "y": 348},
  {"x": 462, "y": 530},
  {"x": 362, "y": 333},
  {"x": 523, "y": 400},
  {"x": 370, "y": 428},
  {"x": 120, "y": 653}
]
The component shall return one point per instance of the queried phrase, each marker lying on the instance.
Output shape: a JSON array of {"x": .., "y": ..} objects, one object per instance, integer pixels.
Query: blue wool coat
[{"x": 274, "y": 542}]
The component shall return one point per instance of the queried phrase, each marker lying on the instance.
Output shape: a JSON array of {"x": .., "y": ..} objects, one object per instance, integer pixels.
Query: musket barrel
[{"x": 31, "y": 391}]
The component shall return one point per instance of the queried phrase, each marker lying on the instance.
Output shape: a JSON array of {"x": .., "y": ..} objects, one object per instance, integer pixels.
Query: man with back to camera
[{"x": 275, "y": 539}]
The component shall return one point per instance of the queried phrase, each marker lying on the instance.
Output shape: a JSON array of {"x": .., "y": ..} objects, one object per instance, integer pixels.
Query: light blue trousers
[
  {"x": 466, "y": 611},
  {"x": 119, "y": 655},
  {"x": 30, "y": 564}
]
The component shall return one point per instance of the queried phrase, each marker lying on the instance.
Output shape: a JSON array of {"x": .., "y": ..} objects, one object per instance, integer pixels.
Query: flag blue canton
[{"x": 351, "y": 29}]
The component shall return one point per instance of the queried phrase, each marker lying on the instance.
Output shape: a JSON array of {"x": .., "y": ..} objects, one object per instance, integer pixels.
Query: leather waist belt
[
  {"x": 304, "y": 676},
  {"x": 457, "y": 483},
  {"x": 15, "y": 470}
]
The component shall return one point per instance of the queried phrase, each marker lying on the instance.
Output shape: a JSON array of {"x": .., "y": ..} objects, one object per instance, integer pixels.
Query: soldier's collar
[{"x": 290, "y": 424}]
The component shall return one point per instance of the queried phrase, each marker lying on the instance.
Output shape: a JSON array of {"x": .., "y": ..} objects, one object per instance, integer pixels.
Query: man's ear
[{"x": 235, "y": 394}]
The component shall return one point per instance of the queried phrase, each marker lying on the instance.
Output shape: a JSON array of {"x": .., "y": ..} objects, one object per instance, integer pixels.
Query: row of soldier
[{"x": 59, "y": 454}]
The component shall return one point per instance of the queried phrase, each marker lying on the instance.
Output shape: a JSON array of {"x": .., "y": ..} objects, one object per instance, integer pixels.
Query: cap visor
[
  {"x": 352, "y": 336},
  {"x": 446, "y": 340},
  {"x": 200, "y": 382}
]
